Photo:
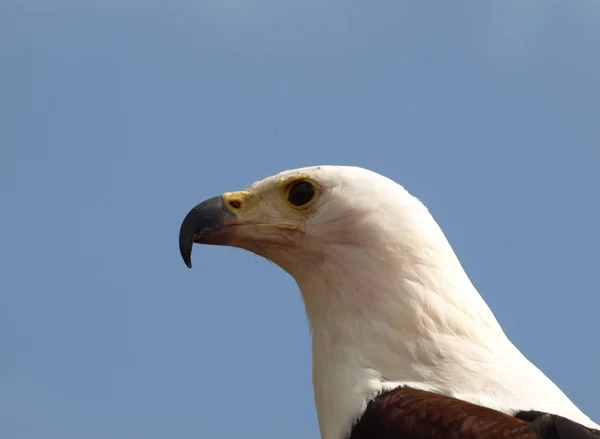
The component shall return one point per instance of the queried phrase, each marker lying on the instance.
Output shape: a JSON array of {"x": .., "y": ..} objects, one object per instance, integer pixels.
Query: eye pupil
[{"x": 301, "y": 193}]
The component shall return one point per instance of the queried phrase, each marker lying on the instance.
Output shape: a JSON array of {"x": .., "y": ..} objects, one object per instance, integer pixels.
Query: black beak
[{"x": 201, "y": 225}]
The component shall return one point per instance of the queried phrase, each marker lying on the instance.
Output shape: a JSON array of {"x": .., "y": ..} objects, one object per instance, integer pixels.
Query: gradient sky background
[{"x": 118, "y": 116}]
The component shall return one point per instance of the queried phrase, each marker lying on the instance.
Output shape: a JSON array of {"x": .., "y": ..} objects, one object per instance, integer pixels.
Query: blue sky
[{"x": 118, "y": 116}]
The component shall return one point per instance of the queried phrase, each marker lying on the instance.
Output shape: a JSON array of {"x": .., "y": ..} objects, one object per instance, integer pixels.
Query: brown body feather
[{"x": 407, "y": 413}]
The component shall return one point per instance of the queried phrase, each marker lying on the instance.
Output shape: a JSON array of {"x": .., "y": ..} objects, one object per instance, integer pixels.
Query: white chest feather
[{"x": 354, "y": 362}]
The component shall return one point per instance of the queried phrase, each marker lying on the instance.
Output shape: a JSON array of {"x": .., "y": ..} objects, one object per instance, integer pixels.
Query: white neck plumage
[{"x": 414, "y": 319}]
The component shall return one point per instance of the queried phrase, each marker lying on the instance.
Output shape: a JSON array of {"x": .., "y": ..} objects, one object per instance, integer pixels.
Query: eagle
[{"x": 403, "y": 345}]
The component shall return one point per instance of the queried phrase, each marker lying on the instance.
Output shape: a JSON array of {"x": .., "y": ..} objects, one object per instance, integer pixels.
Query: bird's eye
[{"x": 301, "y": 193}]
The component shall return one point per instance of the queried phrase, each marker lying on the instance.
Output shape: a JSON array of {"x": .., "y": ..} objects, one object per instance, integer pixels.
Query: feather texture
[{"x": 406, "y": 413}]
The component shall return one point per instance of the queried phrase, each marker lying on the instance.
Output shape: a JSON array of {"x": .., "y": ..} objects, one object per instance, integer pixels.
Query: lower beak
[{"x": 206, "y": 224}]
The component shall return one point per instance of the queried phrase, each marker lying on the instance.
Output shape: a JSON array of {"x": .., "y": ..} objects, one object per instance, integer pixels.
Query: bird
[{"x": 403, "y": 345}]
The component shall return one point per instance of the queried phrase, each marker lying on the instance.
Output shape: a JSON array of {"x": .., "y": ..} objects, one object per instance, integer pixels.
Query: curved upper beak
[{"x": 205, "y": 224}]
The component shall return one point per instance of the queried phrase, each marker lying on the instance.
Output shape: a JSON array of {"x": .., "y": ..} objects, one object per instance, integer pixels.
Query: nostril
[{"x": 236, "y": 204}]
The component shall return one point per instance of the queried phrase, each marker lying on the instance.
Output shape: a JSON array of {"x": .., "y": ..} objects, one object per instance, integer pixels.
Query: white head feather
[{"x": 389, "y": 303}]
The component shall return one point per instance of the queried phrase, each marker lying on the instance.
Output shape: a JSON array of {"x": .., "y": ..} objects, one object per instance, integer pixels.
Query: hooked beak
[
  {"x": 205, "y": 224},
  {"x": 236, "y": 219}
]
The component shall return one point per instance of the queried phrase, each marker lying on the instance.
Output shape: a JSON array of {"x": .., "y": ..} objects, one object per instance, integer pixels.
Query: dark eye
[{"x": 301, "y": 193}]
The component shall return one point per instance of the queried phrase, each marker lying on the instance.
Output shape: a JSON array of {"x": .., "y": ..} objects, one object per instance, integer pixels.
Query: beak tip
[
  {"x": 186, "y": 255},
  {"x": 185, "y": 249}
]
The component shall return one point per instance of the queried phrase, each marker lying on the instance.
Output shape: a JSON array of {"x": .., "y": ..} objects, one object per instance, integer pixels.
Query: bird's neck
[
  {"x": 384, "y": 323},
  {"x": 421, "y": 292}
]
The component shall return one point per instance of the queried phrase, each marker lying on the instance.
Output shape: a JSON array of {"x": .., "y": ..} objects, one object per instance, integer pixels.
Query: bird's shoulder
[{"x": 408, "y": 413}]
